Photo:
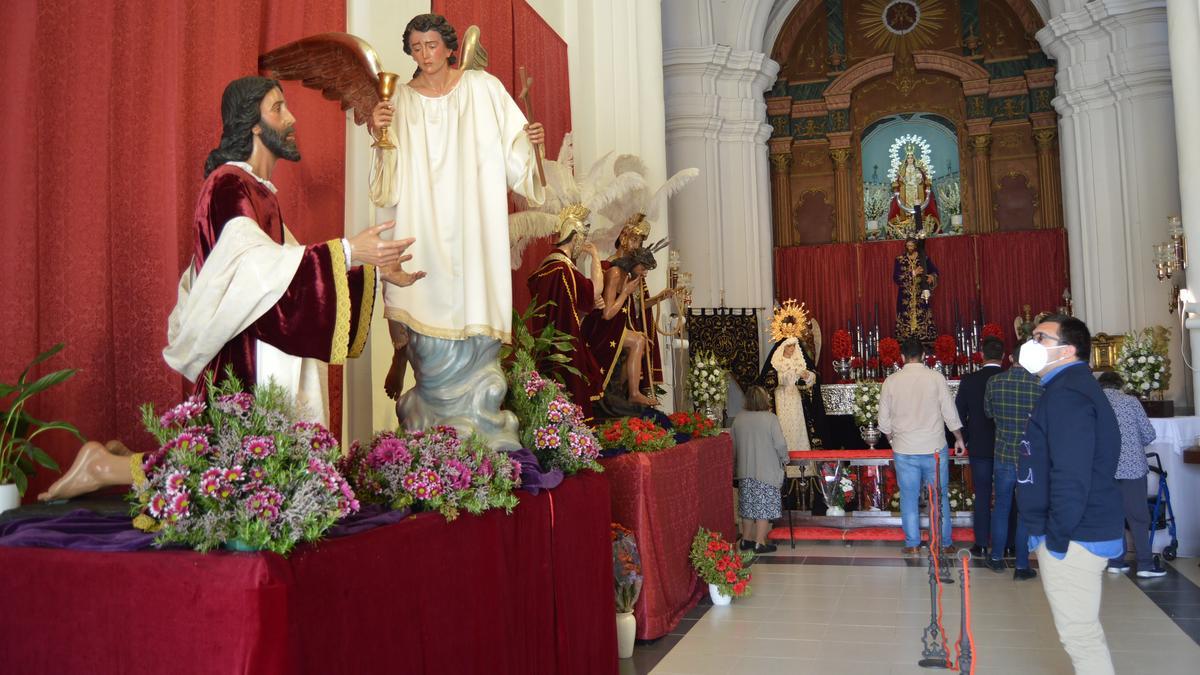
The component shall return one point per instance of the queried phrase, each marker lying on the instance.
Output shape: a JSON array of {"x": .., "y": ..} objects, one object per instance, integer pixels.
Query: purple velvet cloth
[
  {"x": 533, "y": 478},
  {"x": 80, "y": 529},
  {"x": 84, "y": 530}
]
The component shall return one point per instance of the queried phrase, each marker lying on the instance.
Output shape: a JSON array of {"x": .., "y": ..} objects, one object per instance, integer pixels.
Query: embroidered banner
[{"x": 730, "y": 334}]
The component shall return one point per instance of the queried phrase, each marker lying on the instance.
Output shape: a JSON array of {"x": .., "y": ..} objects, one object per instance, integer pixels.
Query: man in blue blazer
[{"x": 1068, "y": 498}]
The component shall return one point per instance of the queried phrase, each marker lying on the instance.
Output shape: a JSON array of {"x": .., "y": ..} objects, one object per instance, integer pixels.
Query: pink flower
[
  {"x": 191, "y": 408},
  {"x": 180, "y": 507},
  {"x": 560, "y": 410},
  {"x": 238, "y": 403},
  {"x": 176, "y": 481},
  {"x": 258, "y": 447},
  {"x": 234, "y": 474},
  {"x": 158, "y": 505},
  {"x": 210, "y": 483},
  {"x": 534, "y": 384},
  {"x": 546, "y": 437}
]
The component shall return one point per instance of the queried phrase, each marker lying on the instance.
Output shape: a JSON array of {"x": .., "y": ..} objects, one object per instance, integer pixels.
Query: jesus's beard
[{"x": 279, "y": 144}]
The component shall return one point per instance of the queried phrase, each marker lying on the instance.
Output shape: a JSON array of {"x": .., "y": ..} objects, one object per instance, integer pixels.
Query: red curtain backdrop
[
  {"x": 999, "y": 272},
  {"x": 515, "y": 35},
  {"x": 109, "y": 113}
]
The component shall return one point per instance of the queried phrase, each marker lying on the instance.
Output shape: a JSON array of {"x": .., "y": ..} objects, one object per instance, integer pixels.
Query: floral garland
[
  {"x": 866, "y": 403},
  {"x": 889, "y": 352},
  {"x": 635, "y": 434},
  {"x": 695, "y": 425},
  {"x": 239, "y": 466},
  {"x": 433, "y": 470},
  {"x": 706, "y": 381},
  {"x": 1140, "y": 364},
  {"x": 627, "y": 568},
  {"x": 842, "y": 347},
  {"x": 717, "y": 563}
]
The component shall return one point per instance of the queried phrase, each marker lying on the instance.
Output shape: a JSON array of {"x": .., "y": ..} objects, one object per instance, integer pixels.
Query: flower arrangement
[
  {"x": 717, "y": 563},
  {"x": 931, "y": 361},
  {"x": 842, "y": 347},
  {"x": 841, "y": 491},
  {"x": 635, "y": 434},
  {"x": 977, "y": 358},
  {"x": 1141, "y": 364},
  {"x": 551, "y": 426},
  {"x": 694, "y": 424},
  {"x": 433, "y": 470},
  {"x": 239, "y": 467},
  {"x": 960, "y": 498},
  {"x": 889, "y": 352},
  {"x": 866, "y": 403},
  {"x": 945, "y": 349},
  {"x": 706, "y": 381},
  {"x": 856, "y": 362},
  {"x": 991, "y": 330},
  {"x": 894, "y": 502},
  {"x": 627, "y": 568},
  {"x": 949, "y": 198},
  {"x": 876, "y": 199}
]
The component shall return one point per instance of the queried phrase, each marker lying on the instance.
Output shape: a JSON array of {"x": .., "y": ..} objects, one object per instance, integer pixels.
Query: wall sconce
[{"x": 1171, "y": 257}]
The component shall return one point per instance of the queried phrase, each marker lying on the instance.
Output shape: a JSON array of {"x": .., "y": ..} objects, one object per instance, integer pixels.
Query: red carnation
[
  {"x": 842, "y": 347},
  {"x": 992, "y": 330}
]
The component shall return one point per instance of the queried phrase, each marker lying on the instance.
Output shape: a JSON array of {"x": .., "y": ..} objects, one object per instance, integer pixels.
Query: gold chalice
[{"x": 387, "y": 89}]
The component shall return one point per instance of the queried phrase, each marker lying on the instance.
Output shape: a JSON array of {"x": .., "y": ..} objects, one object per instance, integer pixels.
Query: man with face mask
[
  {"x": 1068, "y": 498},
  {"x": 557, "y": 280}
]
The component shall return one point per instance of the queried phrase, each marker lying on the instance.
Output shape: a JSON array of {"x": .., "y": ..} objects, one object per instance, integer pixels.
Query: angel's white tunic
[{"x": 456, "y": 158}]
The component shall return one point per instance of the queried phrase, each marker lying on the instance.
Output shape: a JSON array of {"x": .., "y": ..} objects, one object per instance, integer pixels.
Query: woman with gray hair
[
  {"x": 761, "y": 453},
  {"x": 1136, "y": 434}
]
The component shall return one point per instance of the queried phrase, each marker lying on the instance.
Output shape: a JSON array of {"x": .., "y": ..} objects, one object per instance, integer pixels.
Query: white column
[
  {"x": 1183, "y": 27},
  {"x": 1119, "y": 172},
  {"x": 716, "y": 121}
]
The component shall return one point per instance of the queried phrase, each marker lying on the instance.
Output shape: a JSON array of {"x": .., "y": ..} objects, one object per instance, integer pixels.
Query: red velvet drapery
[
  {"x": 516, "y": 36},
  {"x": 999, "y": 272},
  {"x": 109, "y": 111}
]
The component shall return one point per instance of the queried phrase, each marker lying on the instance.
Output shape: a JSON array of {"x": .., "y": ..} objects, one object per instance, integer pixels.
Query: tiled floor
[{"x": 829, "y": 608}]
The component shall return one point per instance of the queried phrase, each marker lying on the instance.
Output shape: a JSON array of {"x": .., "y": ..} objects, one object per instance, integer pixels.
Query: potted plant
[
  {"x": 706, "y": 382},
  {"x": 720, "y": 566},
  {"x": 18, "y": 454},
  {"x": 627, "y": 582}
]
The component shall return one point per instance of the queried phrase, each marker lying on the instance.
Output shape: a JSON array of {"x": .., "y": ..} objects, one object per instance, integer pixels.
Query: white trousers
[{"x": 1073, "y": 587}]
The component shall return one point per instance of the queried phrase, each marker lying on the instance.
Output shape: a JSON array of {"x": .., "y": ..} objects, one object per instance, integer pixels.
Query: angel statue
[
  {"x": 911, "y": 190},
  {"x": 449, "y": 149},
  {"x": 623, "y": 336}
]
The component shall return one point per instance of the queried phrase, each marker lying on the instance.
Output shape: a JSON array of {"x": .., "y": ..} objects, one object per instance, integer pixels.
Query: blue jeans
[
  {"x": 1005, "y": 476},
  {"x": 913, "y": 474}
]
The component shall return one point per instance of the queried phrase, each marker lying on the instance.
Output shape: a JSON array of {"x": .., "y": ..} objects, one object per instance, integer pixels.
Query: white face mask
[{"x": 1035, "y": 356}]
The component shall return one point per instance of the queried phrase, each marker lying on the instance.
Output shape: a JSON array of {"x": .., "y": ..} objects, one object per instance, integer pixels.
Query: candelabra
[{"x": 1171, "y": 257}]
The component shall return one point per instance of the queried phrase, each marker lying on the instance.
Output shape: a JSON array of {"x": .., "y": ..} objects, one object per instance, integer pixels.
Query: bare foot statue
[
  {"x": 394, "y": 381},
  {"x": 641, "y": 399},
  {"x": 95, "y": 467}
]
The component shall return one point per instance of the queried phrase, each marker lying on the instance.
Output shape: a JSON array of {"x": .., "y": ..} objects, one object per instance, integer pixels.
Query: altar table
[
  {"x": 530, "y": 592},
  {"x": 664, "y": 497},
  {"x": 1174, "y": 435}
]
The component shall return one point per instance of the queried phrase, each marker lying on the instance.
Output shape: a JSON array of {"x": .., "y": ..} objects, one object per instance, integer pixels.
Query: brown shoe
[{"x": 910, "y": 551}]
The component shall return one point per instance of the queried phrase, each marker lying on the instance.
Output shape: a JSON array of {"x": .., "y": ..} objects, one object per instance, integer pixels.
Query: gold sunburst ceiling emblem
[
  {"x": 891, "y": 24},
  {"x": 790, "y": 320}
]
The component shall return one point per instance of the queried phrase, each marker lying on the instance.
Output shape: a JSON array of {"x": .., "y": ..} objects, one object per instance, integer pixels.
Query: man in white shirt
[{"x": 915, "y": 409}]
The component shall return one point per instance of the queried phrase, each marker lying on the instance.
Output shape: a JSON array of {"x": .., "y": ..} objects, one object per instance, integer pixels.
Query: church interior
[{"x": 619, "y": 336}]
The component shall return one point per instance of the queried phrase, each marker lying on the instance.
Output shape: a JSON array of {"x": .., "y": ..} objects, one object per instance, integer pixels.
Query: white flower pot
[
  {"x": 10, "y": 497},
  {"x": 718, "y": 598},
  {"x": 626, "y": 634},
  {"x": 835, "y": 511}
]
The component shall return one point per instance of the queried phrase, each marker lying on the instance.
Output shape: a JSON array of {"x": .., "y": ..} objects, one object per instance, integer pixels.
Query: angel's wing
[
  {"x": 473, "y": 56},
  {"x": 343, "y": 67},
  {"x": 566, "y": 152}
]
